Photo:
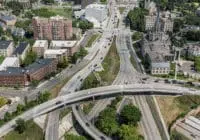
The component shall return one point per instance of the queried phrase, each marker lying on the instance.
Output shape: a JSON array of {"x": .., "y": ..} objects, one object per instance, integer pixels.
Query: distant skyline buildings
[{"x": 54, "y": 28}]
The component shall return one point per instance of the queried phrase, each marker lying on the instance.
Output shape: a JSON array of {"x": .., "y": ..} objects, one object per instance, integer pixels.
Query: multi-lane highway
[
  {"x": 97, "y": 54},
  {"x": 128, "y": 81}
]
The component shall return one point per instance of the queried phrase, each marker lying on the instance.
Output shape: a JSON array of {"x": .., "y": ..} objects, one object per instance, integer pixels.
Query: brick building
[
  {"x": 13, "y": 76},
  {"x": 54, "y": 28},
  {"x": 41, "y": 68}
]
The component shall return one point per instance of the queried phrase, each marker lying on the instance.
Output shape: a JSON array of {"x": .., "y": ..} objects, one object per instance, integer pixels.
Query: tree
[
  {"x": 193, "y": 35},
  {"x": 63, "y": 63},
  {"x": 20, "y": 108},
  {"x": 30, "y": 58},
  {"x": 84, "y": 25},
  {"x": 178, "y": 24},
  {"x": 128, "y": 132},
  {"x": 136, "y": 36},
  {"x": 34, "y": 83},
  {"x": 21, "y": 126},
  {"x": 1, "y": 31},
  {"x": 197, "y": 63},
  {"x": 82, "y": 52},
  {"x": 90, "y": 82},
  {"x": 15, "y": 6},
  {"x": 43, "y": 97},
  {"x": 130, "y": 114},
  {"x": 136, "y": 19},
  {"x": 7, "y": 116},
  {"x": 74, "y": 58},
  {"x": 107, "y": 122}
]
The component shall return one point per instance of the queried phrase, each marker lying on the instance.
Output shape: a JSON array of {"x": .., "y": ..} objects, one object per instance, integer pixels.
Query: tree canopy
[
  {"x": 197, "y": 63},
  {"x": 130, "y": 114},
  {"x": 128, "y": 132},
  {"x": 107, "y": 121},
  {"x": 136, "y": 19},
  {"x": 21, "y": 126}
]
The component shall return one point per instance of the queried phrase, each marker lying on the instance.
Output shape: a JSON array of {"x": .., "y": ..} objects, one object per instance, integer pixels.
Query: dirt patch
[{"x": 169, "y": 108}]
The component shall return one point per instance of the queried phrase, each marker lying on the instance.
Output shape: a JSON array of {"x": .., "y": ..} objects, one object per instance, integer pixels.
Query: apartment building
[
  {"x": 6, "y": 48},
  {"x": 41, "y": 68},
  {"x": 21, "y": 50},
  {"x": 54, "y": 28},
  {"x": 70, "y": 46},
  {"x": 40, "y": 46},
  {"x": 56, "y": 54},
  {"x": 9, "y": 62}
]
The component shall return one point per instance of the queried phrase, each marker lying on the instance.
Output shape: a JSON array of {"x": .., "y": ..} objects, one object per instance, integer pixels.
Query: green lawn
[
  {"x": 49, "y": 12},
  {"x": 1, "y": 59},
  {"x": 65, "y": 12},
  {"x": 88, "y": 106},
  {"x": 111, "y": 65},
  {"x": 33, "y": 132},
  {"x": 91, "y": 40}
]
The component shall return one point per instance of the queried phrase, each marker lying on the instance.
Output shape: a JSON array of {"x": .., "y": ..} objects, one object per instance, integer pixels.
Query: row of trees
[
  {"x": 82, "y": 24},
  {"x": 136, "y": 19},
  {"x": 82, "y": 52},
  {"x": 16, "y": 7},
  {"x": 193, "y": 35},
  {"x": 29, "y": 59},
  {"x": 122, "y": 127},
  {"x": 23, "y": 107}
]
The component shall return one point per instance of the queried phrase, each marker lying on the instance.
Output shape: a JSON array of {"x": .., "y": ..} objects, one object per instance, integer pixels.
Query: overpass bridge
[{"x": 96, "y": 93}]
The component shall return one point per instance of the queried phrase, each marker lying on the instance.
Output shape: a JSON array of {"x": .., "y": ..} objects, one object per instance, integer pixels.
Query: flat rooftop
[
  {"x": 54, "y": 52},
  {"x": 4, "y": 44},
  {"x": 97, "y": 6},
  {"x": 21, "y": 48},
  {"x": 64, "y": 44},
  {"x": 9, "y": 62},
  {"x": 40, "y": 43}
]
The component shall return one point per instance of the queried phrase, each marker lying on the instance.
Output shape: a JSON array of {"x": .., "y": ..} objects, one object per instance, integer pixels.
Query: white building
[
  {"x": 70, "y": 46},
  {"x": 194, "y": 50},
  {"x": 58, "y": 54},
  {"x": 57, "y": 44},
  {"x": 96, "y": 11},
  {"x": 160, "y": 68},
  {"x": 9, "y": 62},
  {"x": 40, "y": 46}
]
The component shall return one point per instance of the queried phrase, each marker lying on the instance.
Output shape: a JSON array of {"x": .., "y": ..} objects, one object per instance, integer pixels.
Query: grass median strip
[
  {"x": 91, "y": 40},
  {"x": 111, "y": 65}
]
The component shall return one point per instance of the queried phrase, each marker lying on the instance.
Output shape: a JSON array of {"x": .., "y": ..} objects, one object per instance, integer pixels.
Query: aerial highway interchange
[{"x": 130, "y": 81}]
